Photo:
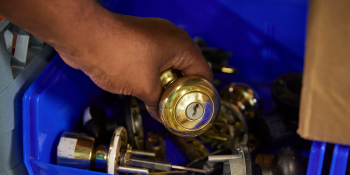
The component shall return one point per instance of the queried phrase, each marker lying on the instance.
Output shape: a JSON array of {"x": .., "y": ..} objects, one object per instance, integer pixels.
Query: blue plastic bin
[
  {"x": 265, "y": 37},
  {"x": 55, "y": 103},
  {"x": 336, "y": 163}
]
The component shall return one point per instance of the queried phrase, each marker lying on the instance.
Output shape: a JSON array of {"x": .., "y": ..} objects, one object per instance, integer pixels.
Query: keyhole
[
  {"x": 194, "y": 111},
  {"x": 195, "y": 107}
]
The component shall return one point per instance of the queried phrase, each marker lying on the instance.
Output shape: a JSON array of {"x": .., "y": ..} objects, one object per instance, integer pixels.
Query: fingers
[
  {"x": 68, "y": 61},
  {"x": 149, "y": 90},
  {"x": 192, "y": 62},
  {"x": 153, "y": 111}
]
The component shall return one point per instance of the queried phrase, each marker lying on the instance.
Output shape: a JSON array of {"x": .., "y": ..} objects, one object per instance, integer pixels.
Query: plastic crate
[
  {"x": 333, "y": 161},
  {"x": 266, "y": 39},
  {"x": 55, "y": 103}
]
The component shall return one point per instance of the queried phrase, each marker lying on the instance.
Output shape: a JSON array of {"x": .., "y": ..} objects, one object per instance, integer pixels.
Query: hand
[{"x": 128, "y": 55}]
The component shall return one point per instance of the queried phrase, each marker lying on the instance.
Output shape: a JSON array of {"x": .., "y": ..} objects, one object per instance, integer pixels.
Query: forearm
[{"x": 65, "y": 24}]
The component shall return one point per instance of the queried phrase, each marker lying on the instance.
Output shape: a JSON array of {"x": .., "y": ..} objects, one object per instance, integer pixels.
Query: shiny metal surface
[
  {"x": 182, "y": 92},
  {"x": 142, "y": 153},
  {"x": 101, "y": 158},
  {"x": 242, "y": 98},
  {"x": 194, "y": 110},
  {"x": 135, "y": 162},
  {"x": 118, "y": 140},
  {"x": 75, "y": 150},
  {"x": 235, "y": 164},
  {"x": 132, "y": 170},
  {"x": 188, "y": 169},
  {"x": 161, "y": 166},
  {"x": 169, "y": 76},
  {"x": 169, "y": 173},
  {"x": 223, "y": 158}
]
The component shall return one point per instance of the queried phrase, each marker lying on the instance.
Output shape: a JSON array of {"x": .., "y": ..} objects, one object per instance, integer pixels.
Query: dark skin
[{"x": 121, "y": 54}]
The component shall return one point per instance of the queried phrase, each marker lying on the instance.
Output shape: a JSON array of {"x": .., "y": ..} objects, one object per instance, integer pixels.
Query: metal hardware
[
  {"x": 75, "y": 150},
  {"x": 79, "y": 151},
  {"x": 169, "y": 173},
  {"x": 132, "y": 170},
  {"x": 216, "y": 57},
  {"x": 101, "y": 157},
  {"x": 229, "y": 130},
  {"x": 242, "y": 98},
  {"x": 286, "y": 92},
  {"x": 237, "y": 164},
  {"x": 193, "y": 148},
  {"x": 118, "y": 141},
  {"x": 134, "y": 125},
  {"x": 123, "y": 156},
  {"x": 223, "y": 158},
  {"x": 94, "y": 122},
  {"x": 155, "y": 143},
  {"x": 189, "y": 105}
]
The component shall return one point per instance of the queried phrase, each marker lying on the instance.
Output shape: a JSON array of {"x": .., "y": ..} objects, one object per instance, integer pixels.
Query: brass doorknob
[{"x": 189, "y": 105}]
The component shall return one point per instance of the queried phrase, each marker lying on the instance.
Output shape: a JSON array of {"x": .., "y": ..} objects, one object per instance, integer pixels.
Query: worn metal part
[
  {"x": 189, "y": 105},
  {"x": 134, "y": 124},
  {"x": 229, "y": 131},
  {"x": 94, "y": 123},
  {"x": 216, "y": 57},
  {"x": 192, "y": 147},
  {"x": 286, "y": 92},
  {"x": 156, "y": 144}
]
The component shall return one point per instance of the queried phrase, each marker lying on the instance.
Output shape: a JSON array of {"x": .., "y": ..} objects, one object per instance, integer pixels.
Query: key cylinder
[{"x": 189, "y": 105}]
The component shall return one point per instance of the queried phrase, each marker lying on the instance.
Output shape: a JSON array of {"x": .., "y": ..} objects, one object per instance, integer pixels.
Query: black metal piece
[
  {"x": 286, "y": 92},
  {"x": 287, "y": 161},
  {"x": 128, "y": 121},
  {"x": 95, "y": 123},
  {"x": 274, "y": 129},
  {"x": 216, "y": 57}
]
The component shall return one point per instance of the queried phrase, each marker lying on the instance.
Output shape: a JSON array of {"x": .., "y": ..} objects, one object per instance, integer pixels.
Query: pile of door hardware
[{"x": 229, "y": 147}]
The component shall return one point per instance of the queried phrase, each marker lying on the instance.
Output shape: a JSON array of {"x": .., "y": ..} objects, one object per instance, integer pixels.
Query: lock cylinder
[{"x": 189, "y": 104}]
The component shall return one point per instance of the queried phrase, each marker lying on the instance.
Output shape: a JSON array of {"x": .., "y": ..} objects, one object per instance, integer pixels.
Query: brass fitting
[{"x": 189, "y": 105}]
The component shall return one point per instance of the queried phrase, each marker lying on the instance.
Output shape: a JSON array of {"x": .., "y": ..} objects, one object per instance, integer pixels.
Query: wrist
[{"x": 83, "y": 34}]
